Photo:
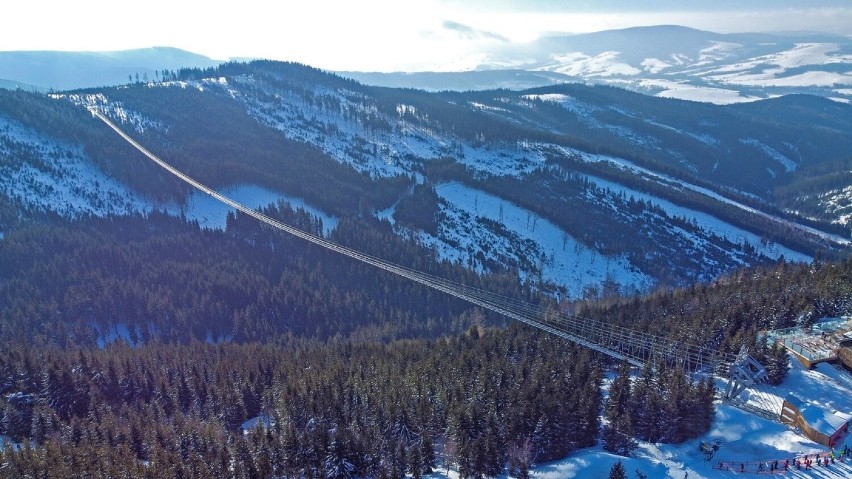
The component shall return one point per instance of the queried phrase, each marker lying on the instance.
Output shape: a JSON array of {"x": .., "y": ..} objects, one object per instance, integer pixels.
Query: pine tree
[
  {"x": 618, "y": 402},
  {"x": 617, "y": 471},
  {"x": 647, "y": 407},
  {"x": 617, "y": 442},
  {"x": 617, "y": 434},
  {"x": 706, "y": 403},
  {"x": 427, "y": 454},
  {"x": 777, "y": 364},
  {"x": 336, "y": 462},
  {"x": 415, "y": 463}
]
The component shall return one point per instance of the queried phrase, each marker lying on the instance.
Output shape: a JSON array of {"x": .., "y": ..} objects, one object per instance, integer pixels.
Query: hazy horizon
[{"x": 382, "y": 35}]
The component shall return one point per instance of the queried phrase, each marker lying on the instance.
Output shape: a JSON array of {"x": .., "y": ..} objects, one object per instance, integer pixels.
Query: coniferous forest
[
  {"x": 341, "y": 371},
  {"x": 143, "y": 345}
]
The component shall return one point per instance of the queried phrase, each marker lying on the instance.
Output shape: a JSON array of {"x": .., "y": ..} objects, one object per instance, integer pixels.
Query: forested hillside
[
  {"x": 246, "y": 324},
  {"x": 136, "y": 342},
  {"x": 157, "y": 277},
  {"x": 642, "y": 191}
]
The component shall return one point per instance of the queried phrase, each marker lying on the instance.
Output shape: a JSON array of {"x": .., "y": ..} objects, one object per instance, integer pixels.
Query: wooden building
[
  {"x": 821, "y": 426},
  {"x": 844, "y": 353}
]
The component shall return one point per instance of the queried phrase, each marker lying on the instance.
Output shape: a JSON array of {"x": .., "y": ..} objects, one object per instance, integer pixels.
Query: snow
[
  {"x": 788, "y": 164},
  {"x": 744, "y": 438},
  {"x": 717, "y": 51},
  {"x": 826, "y": 421},
  {"x": 68, "y": 183},
  {"x": 482, "y": 106},
  {"x": 707, "y": 222},
  {"x": 721, "y": 73},
  {"x": 654, "y": 65},
  {"x": 6, "y": 441},
  {"x": 65, "y": 182},
  {"x": 116, "y": 110},
  {"x": 838, "y": 203},
  {"x": 718, "y": 96},
  {"x": 501, "y": 161},
  {"x": 211, "y": 213},
  {"x": 605, "y": 64},
  {"x": 262, "y": 420},
  {"x": 339, "y": 131},
  {"x": 562, "y": 260},
  {"x": 769, "y": 70},
  {"x": 804, "y": 54},
  {"x": 704, "y": 191},
  {"x": 578, "y": 107},
  {"x": 807, "y": 79},
  {"x": 554, "y": 97}
]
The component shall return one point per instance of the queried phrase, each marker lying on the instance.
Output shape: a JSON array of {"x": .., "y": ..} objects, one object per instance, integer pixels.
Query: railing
[{"x": 636, "y": 347}]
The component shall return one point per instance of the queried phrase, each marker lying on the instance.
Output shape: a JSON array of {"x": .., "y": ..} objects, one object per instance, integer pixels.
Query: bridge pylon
[{"x": 743, "y": 373}]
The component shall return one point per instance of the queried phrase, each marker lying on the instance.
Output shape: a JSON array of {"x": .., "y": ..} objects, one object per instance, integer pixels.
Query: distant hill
[
  {"x": 667, "y": 61},
  {"x": 73, "y": 70},
  {"x": 14, "y": 85},
  {"x": 460, "y": 81}
]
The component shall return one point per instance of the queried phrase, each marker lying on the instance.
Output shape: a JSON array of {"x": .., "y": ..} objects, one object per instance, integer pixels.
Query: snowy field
[{"x": 745, "y": 438}]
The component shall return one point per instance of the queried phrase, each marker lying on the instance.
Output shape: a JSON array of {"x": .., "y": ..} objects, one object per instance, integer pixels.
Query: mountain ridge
[
  {"x": 672, "y": 61},
  {"x": 61, "y": 70},
  {"x": 572, "y": 185}
]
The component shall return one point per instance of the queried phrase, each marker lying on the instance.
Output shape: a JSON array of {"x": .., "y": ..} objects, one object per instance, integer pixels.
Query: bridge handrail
[{"x": 641, "y": 347}]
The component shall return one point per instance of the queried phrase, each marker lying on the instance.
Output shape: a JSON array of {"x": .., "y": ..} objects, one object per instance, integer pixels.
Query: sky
[{"x": 379, "y": 35}]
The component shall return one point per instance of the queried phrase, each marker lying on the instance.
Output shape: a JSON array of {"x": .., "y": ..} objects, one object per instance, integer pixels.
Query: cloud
[{"x": 471, "y": 33}]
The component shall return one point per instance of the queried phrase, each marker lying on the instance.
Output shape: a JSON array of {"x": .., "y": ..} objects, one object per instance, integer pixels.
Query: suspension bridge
[{"x": 636, "y": 347}]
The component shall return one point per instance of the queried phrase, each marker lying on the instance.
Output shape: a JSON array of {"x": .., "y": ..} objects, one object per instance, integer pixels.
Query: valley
[{"x": 146, "y": 313}]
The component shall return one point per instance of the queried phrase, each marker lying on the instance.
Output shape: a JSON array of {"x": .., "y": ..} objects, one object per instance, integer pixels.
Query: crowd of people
[{"x": 805, "y": 461}]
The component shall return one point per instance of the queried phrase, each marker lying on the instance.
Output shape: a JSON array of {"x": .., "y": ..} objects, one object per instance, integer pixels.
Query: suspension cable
[{"x": 622, "y": 343}]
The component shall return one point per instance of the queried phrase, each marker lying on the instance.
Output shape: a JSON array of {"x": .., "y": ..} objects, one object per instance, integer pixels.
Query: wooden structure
[
  {"x": 844, "y": 353},
  {"x": 825, "y": 341},
  {"x": 818, "y": 425}
]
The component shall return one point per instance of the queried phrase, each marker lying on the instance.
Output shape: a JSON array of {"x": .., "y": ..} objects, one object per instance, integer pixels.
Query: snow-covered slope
[
  {"x": 702, "y": 66},
  {"x": 666, "y": 61},
  {"x": 409, "y": 138},
  {"x": 43, "y": 174},
  {"x": 521, "y": 179}
]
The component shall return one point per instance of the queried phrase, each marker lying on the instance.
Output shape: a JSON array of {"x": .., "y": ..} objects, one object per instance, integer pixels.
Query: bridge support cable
[{"x": 636, "y": 347}]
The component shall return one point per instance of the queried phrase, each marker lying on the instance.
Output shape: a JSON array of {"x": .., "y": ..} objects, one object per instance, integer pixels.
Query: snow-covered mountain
[
  {"x": 583, "y": 190},
  {"x": 666, "y": 61}
]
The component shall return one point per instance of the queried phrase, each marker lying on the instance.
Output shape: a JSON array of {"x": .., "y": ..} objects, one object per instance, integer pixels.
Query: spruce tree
[
  {"x": 617, "y": 434},
  {"x": 777, "y": 364},
  {"x": 427, "y": 454},
  {"x": 647, "y": 406},
  {"x": 617, "y": 471}
]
